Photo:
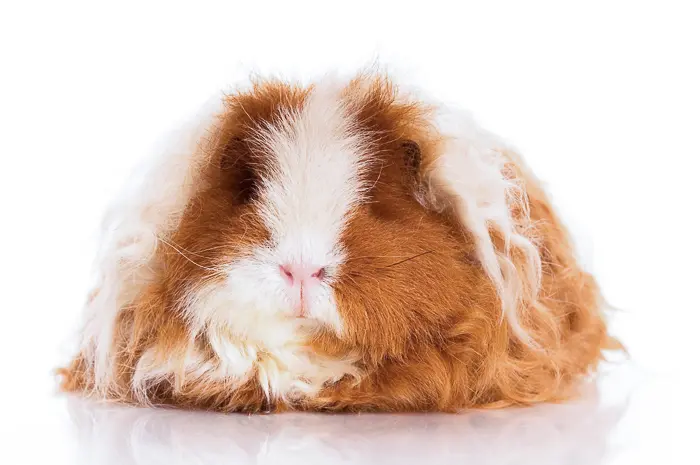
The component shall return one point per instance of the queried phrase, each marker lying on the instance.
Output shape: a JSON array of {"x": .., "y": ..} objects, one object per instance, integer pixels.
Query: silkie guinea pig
[{"x": 342, "y": 246}]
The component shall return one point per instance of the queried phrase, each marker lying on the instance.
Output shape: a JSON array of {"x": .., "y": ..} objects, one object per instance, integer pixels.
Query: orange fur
[{"x": 426, "y": 330}]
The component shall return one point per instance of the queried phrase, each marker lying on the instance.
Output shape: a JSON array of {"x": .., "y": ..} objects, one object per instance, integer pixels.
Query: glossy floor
[{"x": 623, "y": 419}]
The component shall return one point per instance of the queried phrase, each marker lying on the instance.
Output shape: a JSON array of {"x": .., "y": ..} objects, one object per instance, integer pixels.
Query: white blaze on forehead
[
  {"x": 317, "y": 157},
  {"x": 314, "y": 179}
]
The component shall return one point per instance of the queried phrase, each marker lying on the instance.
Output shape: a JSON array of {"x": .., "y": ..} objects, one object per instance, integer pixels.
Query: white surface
[{"x": 602, "y": 99}]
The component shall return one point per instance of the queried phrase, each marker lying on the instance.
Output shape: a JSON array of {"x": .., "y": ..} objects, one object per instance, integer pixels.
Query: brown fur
[{"x": 420, "y": 314}]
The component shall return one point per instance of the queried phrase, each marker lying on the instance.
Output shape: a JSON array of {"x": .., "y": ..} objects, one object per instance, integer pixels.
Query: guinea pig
[{"x": 341, "y": 246}]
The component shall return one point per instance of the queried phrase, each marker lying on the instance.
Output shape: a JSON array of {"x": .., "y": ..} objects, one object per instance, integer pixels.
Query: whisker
[
  {"x": 176, "y": 249},
  {"x": 381, "y": 168},
  {"x": 409, "y": 258},
  {"x": 372, "y": 256},
  {"x": 216, "y": 247}
]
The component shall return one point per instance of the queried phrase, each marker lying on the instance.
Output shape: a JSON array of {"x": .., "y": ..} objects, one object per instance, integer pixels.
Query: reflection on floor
[{"x": 572, "y": 433}]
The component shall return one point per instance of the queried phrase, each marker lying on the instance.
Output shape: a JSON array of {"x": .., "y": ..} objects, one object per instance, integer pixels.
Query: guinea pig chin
[{"x": 257, "y": 300}]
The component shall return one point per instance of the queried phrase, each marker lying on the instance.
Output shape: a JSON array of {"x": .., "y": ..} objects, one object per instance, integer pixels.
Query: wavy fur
[{"x": 450, "y": 283}]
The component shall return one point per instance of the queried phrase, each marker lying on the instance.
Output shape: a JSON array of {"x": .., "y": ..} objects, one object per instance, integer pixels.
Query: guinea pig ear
[{"x": 412, "y": 158}]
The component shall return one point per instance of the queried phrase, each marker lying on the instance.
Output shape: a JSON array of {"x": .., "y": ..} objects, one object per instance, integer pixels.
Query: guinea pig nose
[{"x": 301, "y": 273}]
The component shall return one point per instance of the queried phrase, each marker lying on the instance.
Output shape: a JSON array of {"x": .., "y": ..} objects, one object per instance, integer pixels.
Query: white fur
[
  {"x": 285, "y": 370},
  {"x": 131, "y": 230},
  {"x": 152, "y": 369},
  {"x": 306, "y": 202},
  {"x": 469, "y": 175}
]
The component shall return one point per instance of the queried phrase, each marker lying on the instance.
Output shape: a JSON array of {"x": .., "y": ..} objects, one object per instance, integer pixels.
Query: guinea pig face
[
  {"x": 282, "y": 188},
  {"x": 311, "y": 214}
]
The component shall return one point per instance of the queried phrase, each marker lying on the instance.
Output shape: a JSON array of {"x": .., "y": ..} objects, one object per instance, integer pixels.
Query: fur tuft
[
  {"x": 146, "y": 213},
  {"x": 471, "y": 177}
]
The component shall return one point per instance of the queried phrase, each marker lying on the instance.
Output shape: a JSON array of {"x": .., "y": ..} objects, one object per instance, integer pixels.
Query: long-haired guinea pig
[{"x": 338, "y": 247}]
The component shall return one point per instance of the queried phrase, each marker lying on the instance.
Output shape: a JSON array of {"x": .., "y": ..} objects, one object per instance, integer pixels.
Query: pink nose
[{"x": 294, "y": 273}]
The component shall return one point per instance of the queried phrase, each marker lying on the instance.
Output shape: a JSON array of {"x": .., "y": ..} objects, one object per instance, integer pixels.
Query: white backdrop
[{"x": 602, "y": 98}]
